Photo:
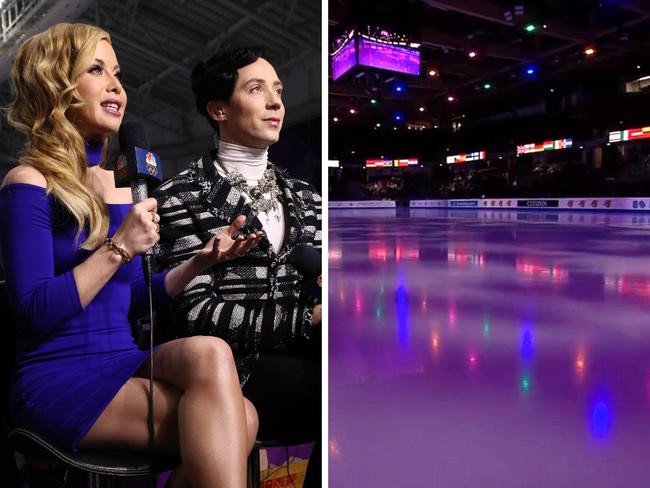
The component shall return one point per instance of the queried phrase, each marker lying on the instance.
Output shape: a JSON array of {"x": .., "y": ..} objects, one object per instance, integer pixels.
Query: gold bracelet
[{"x": 124, "y": 254}]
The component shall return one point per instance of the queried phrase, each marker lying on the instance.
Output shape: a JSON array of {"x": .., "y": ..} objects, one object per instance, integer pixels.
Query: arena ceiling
[
  {"x": 158, "y": 43},
  {"x": 492, "y": 88}
]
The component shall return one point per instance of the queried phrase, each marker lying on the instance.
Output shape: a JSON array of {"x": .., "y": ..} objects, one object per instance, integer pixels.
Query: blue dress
[{"x": 70, "y": 362}]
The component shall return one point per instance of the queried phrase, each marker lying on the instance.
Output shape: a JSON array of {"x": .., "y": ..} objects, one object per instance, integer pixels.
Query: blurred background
[{"x": 159, "y": 42}]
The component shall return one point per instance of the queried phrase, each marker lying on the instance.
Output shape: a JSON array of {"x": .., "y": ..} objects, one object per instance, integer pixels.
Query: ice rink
[{"x": 491, "y": 349}]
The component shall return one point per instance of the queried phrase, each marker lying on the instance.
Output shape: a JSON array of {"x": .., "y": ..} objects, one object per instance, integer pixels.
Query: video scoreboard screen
[
  {"x": 629, "y": 134},
  {"x": 344, "y": 59},
  {"x": 466, "y": 157},
  {"x": 545, "y": 146},
  {"x": 388, "y": 56},
  {"x": 391, "y": 163},
  {"x": 375, "y": 53}
]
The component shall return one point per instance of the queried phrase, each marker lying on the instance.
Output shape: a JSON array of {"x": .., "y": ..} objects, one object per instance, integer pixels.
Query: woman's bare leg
[
  {"x": 252, "y": 424},
  {"x": 212, "y": 422}
]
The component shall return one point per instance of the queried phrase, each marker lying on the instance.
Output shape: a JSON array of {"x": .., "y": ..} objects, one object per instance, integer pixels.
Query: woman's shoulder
[{"x": 26, "y": 175}]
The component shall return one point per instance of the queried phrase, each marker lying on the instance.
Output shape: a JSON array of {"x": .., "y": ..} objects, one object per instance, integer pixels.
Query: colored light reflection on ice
[
  {"x": 381, "y": 251},
  {"x": 579, "y": 365},
  {"x": 600, "y": 419},
  {"x": 334, "y": 448},
  {"x": 628, "y": 285},
  {"x": 451, "y": 314},
  {"x": 472, "y": 358},
  {"x": 378, "y": 251},
  {"x": 527, "y": 348},
  {"x": 542, "y": 271},
  {"x": 402, "y": 311},
  {"x": 525, "y": 382},
  {"x": 435, "y": 342},
  {"x": 459, "y": 256},
  {"x": 407, "y": 251},
  {"x": 335, "y": 254},
  {"x": 487, "y": 328},
  {"x": 358, "y": 305}
]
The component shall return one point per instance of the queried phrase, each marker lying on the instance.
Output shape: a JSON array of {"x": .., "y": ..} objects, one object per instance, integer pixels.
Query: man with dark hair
[{"x": 254, "y": 302}]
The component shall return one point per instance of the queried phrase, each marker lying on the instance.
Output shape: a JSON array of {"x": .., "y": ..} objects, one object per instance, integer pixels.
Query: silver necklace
[{"x": 266, "y": 185}]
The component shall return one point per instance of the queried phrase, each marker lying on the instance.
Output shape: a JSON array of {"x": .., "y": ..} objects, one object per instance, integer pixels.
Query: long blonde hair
[{"x": 44, "y": 77}]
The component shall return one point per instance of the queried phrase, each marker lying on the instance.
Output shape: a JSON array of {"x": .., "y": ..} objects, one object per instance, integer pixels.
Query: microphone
[
  {"x": 137, "y": 167},
  {"x": 307, "y": 260}
]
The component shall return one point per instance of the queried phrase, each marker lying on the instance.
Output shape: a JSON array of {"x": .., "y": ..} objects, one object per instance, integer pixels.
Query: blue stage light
[{"x": 530, "y": 70}]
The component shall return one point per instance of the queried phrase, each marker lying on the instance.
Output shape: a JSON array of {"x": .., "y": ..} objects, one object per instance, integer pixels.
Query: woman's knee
[{"x": 207, "y": 358}]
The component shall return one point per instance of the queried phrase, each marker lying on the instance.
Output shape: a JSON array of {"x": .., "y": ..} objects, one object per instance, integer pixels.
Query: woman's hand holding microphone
[{"x": 140, "y": 229}]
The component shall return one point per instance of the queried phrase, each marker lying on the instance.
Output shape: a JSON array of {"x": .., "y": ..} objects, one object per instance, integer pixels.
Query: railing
[{"x": 11, "y": 13}]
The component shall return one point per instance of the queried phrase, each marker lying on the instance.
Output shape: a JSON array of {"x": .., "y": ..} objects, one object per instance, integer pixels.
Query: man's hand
[{"x": 223, "y": 247}]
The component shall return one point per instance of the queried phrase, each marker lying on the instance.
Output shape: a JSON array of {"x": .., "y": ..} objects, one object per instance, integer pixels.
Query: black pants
[{"x": 286, "y": 392}]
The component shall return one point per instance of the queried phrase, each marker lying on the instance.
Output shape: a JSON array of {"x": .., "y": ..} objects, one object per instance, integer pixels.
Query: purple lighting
[{"x": 385, "y": 56}]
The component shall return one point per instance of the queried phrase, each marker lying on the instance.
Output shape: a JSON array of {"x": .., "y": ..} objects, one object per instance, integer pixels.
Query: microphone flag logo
[{"x": 152, "y": 163}]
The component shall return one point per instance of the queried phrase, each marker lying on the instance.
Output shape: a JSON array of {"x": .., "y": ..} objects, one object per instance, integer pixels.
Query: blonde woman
[{"x": 67, "y": 237}]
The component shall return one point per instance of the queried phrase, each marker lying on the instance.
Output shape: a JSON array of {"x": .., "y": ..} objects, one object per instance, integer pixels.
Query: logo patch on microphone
[{"x": 152, "y": 163}]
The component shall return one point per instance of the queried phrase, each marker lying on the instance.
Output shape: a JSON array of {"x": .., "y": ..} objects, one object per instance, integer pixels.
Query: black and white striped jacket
[{"x": 252, "y": 302}]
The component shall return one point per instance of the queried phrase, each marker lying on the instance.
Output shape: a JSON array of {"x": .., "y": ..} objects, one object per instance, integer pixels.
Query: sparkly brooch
[{"x": 264, "y": 196}]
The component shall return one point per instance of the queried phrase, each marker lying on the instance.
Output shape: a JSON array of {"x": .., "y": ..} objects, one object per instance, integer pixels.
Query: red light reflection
[
  {"x": 378, "y": 251},
  {"x": 335, "y": 254},
  {"x": 460, "y": 256},
  {"x": 547, "y": 272},
  {"x": 629, "y": 285}
]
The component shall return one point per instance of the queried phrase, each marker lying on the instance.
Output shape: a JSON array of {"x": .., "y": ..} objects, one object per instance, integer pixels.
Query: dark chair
[{"x": 32, "y": 453}]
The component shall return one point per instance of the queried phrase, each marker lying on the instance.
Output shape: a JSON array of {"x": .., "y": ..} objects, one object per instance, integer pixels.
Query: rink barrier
[
  {"x": 638, "y": 204},
  {"x": 362, "y": 204}
]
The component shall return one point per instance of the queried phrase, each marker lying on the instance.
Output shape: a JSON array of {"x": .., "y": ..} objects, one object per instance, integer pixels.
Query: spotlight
[
  {"x": 472, "y": 54},
  {"x": 335, "y": 119},
  {"x": 487, "y": 86},
  {"x": 433, "y": 72},
  {"x": 530, "y": 70},
  {"x": 451, "y": 98},
  {"x": 398, "y": 117},
  {"x": 353, "y": 111},
  {"x": 590, "y": 51},
  {"x": 530, "y": 28},
  {"x": 421, "y": 109},
  {"x": 400, "y": 88},
  {"x": 377, "y": 124},
  {"x": 373, "y": 101}
]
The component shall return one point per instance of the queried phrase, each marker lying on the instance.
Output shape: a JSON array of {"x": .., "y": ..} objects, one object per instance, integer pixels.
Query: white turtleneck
[{"x": 251, "y": 163}]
